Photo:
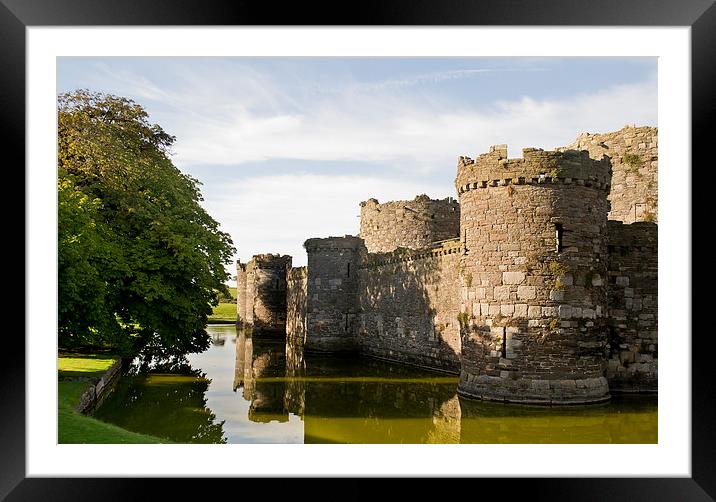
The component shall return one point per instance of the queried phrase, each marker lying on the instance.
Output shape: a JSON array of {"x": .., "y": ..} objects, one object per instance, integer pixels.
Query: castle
[{"x": 538, "y": 286}]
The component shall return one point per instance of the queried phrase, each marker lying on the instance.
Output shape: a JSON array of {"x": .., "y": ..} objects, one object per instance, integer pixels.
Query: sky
[{"x": 287, "y": 148}]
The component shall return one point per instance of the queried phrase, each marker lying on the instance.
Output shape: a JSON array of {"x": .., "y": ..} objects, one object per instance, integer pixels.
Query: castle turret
[
  {"x": 534, "y": 276},
  {"x": 332, "y": 293},
  {"x": 269, "y": 316},
  {"x": 411, "y": 224},
  {"x": 261, "y": 294}
]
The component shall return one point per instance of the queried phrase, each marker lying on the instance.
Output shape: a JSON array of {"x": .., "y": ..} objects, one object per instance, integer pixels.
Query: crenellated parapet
[
  {"x": 535, "y": 167},
  {"x": 437, "y": 249},
  {"x": 327, "y": 244},
  {"x": 535, "y": 236},
  {"x": 270, "y": 261}
]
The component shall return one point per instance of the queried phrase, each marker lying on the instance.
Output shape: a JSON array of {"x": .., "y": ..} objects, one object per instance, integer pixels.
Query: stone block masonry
[
  {"x": 633, "y": 284},
  {"x": 411, "y": 224},
  {"x": 296, "y": 303},
  {"x": 332, "y": 299},
  {"x": 523, "y": 288},
  {"x": 535, "y": 237},
  {"x": 634, "y": 156},
  {"x": 261, "y": 294},
  {"x": 97, "y": 391},
  {"x": 409, "y": 306}
]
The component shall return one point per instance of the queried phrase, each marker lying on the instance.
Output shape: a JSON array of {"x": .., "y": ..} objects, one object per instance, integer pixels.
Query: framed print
[{"x": 304, "y": 159}]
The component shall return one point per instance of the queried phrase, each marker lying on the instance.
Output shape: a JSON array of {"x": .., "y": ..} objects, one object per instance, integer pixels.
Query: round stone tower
[
  {"x": 269, "y": 302},
  {"x": 533, "y": 325},
  {"x": 410, "y": 224}
]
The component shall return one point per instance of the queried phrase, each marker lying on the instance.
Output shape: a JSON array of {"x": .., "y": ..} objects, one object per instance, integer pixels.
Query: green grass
[
  {"x": 81, "y": 365},
  {"x": 74, "y": 427},
  {"x": 233, "y": 292},
  {"x": 224, "y": 313}
]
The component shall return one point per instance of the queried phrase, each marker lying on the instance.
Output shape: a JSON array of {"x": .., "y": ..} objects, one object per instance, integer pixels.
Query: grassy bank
[
  {"x": 224, "y": 313},
  {"x": 74, "y": 427}
]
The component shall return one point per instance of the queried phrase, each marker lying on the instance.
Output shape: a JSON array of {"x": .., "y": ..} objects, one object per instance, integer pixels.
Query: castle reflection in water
[{"x": 351, "y": 399}]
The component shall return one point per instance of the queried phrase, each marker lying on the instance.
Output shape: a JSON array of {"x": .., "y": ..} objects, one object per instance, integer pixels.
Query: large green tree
[{"x": 140, "y": 261}]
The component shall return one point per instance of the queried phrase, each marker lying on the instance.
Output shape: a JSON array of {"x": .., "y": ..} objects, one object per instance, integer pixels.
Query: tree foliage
[{"x": 140, "y": 261}]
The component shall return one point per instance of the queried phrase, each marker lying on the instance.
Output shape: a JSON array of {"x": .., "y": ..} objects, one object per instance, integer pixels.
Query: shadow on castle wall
[{"x": 409, "y": 309}]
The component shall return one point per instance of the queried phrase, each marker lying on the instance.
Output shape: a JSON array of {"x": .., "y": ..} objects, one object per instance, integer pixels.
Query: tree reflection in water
[{"x": 164, "y": 398}]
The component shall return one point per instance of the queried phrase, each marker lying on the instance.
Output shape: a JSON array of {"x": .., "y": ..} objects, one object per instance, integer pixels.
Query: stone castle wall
[
  {"x": 409, "y": 224},
  {"x": 523, "y": 287},
  {"x": 261, "y": 294},
  {"x": 409, "y": 309},
  {"x": 634, "y": 156},
  {"x": 534, "y": 229},
  {"x": 296, "y": 303},
  {"x": 633, "y": 301},
  {"x": 332, "y": 293}
]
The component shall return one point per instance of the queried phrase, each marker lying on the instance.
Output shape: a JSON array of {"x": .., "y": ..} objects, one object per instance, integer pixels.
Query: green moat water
[{"x": 243, "y": 390}]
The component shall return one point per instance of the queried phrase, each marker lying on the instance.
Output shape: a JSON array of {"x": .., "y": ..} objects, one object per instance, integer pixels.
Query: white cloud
[
  {"x": 276, "y": 214},
  {"x": 409, "y": 134},
  {"x": 234, "y": 113},
  {"x": 440, "y": 76}
]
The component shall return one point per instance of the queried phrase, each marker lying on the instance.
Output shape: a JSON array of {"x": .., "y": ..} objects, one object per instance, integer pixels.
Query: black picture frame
[{"x": 700, "y": 15}]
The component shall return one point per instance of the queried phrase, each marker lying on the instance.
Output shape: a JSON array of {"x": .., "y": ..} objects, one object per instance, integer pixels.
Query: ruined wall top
[
  {"x": 536, "y": 166},
  {"x": 408, "y": 223},
  {"x": 297, "y": 274},
  {"x": 628, "y": 138},
  {"x": 634, "y": 156},
  {"x": 434, "y": 250},
  {"x": 271, "y": 261},
  {"x": 333, "y": 243}
]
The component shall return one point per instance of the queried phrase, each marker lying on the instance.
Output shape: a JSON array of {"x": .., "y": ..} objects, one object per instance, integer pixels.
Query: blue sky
[{"x": 286, "y": 148}]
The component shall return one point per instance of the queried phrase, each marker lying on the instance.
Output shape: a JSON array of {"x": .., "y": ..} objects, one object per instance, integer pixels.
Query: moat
[{"x": 245, "y": 390}]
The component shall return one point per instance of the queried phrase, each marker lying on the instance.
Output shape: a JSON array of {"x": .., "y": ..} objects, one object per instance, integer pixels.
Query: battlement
[
  {"x": 614, "y": 143},
  {"x": 536, "y": 167},
  {"x": 333, "y": 243},
  {"x": 271, "y": 261},
  {"x": 437, "y": 249}
]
